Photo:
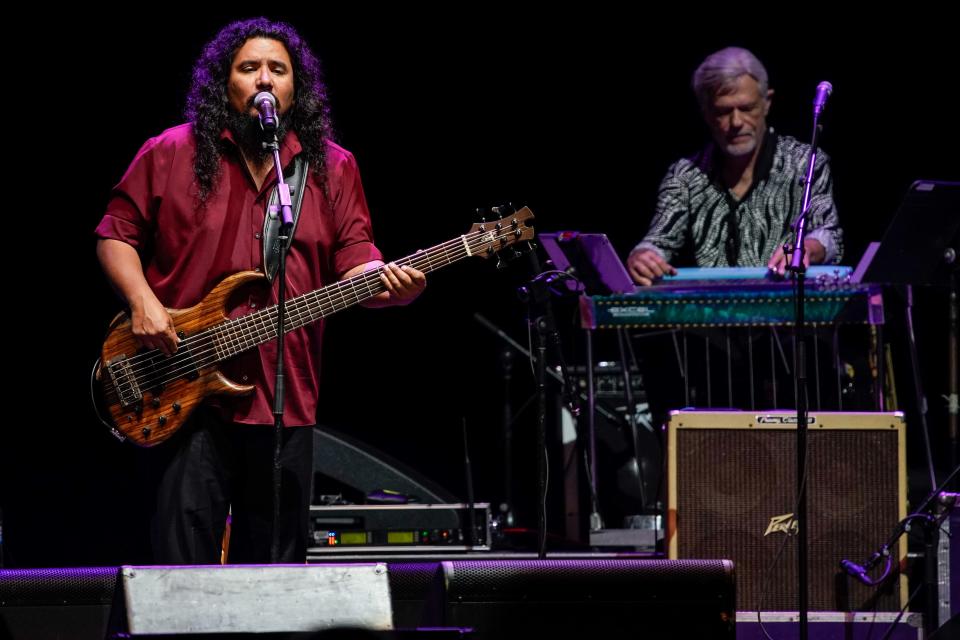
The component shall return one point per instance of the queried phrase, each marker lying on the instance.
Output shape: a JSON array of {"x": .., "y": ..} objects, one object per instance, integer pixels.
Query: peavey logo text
[
  {"x": 782, "y": 524},
  {"x": 783, "y": 419}
]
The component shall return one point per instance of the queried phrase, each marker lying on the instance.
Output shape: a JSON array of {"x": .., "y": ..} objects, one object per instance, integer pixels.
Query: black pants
[{"x": 210, "y": 466}]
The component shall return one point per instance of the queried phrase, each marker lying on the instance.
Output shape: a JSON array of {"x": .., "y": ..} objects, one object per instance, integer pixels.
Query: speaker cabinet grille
[
  {"x": 732, "y": 494},
  {"x": 82, "y": 585},
  {"x": 590, "y": 598}
]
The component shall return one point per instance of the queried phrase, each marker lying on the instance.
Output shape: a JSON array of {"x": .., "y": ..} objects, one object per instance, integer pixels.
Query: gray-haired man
[{"x": 732, "y": 203}]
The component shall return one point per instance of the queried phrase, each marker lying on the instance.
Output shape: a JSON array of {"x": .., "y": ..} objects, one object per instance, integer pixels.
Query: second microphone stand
[
  {"x": 537, "y": 294},
  {"x": 798, "y": 268}
]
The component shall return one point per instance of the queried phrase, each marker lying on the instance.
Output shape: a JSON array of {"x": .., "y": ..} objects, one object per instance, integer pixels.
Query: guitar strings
[
  {"x": 323, "y": 302},
  {"x": 267, "y": 319},
  {"x": 367, "y": 278}
]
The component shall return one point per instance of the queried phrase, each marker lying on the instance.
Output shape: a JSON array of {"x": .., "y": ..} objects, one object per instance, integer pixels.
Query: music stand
[
  {"x": 591, "y": 258},
  {"x": 920, "y": 246}
]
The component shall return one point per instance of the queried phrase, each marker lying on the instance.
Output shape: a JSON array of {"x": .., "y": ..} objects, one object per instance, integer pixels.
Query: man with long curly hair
[{"x": 190, "y": 211}]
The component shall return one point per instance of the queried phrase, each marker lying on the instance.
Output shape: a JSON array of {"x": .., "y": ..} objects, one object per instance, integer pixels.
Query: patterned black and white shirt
[{"x": 700, "y": 222}]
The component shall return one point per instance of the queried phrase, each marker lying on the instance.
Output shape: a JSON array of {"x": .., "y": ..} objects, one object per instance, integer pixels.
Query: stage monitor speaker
[
  {"x": 360, "y": 466},
  {"x": 590, "y": 598},
  {"x": 170, "y": 600},
  {"x": 732, "y": 494},
  {"x": 50, "y": 604}
]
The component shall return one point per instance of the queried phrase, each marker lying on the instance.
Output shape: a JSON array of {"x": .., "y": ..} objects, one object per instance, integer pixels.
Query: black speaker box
[
  {"x": 595, "y": 598},
  {"x": 51, "y": 604}
]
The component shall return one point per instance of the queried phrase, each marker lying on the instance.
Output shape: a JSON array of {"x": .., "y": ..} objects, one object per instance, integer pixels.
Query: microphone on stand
[
  {"x": 266, "y": 104},
  {"x": 856, "y": 571},
  {"x": 860, "y": 572},
  {"x": 824, "y": 89}
]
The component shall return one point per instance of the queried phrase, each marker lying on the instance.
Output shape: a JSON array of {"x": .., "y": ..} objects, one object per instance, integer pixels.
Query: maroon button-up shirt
[{"x": 186, "y": 251}]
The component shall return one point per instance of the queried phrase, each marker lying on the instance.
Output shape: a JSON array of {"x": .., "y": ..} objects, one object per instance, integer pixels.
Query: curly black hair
[{"x": 208, "y": 105}]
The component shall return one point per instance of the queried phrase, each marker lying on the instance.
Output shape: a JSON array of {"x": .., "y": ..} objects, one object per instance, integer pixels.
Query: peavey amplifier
[{"x": 732, "y": 495}]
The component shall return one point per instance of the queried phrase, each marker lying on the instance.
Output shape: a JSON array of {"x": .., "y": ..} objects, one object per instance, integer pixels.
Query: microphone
[
  {"x": 860, "y": 572},
  {"x": 856, "y": 571},
  {"x": 266, "y": 104},
  {"x": 824, "y": 89}
]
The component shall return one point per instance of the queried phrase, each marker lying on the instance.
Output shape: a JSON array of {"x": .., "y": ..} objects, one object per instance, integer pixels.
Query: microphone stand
[
  {"x": 286, "y": 212},
  {"x": 953, "y": 386},
  {"x": 930, "y": 522},
  {"x": 537, "y": 295},
  {"x": 506, "y": 507},
  {"x": 800, "y": 375}
]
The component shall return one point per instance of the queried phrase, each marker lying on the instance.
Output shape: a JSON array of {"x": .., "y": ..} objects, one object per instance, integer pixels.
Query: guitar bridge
[{"x": 124, "y": 382}]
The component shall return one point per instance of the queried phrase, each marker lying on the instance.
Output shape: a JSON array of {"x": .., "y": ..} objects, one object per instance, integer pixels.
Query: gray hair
[{"x": 722, "y": 68}]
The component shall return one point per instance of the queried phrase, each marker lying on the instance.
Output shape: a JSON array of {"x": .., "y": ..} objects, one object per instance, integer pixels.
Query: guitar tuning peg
[{"x": 503, "y": 209}]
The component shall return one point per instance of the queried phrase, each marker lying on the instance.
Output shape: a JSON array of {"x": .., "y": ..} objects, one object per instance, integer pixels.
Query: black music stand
[
  {"x": 920, "y": 246},
  {"x": 920, "y": 249}
]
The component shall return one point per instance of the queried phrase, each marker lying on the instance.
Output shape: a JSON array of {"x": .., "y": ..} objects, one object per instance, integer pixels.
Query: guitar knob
[
  {"x": 176, "y": 407},
  {"x": 146, "y": 432},
  {"x": 162, "y": 420},
  {"x": 155, "y": 402}
]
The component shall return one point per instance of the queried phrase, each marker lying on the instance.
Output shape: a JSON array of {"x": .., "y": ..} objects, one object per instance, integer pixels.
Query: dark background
[{"x": 575, "y": 114}]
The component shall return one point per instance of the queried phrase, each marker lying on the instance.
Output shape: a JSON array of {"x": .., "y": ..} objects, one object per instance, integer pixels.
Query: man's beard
[
  {"x": 250, "y": 136},
  {"x": 741, "y": 149}
]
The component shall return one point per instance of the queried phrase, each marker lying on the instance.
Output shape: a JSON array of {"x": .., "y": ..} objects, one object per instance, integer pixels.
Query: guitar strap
[{"x": 296, "y": 181}]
